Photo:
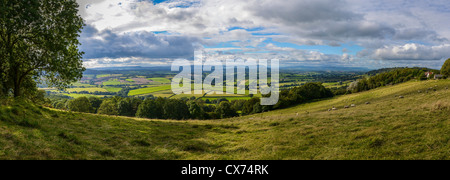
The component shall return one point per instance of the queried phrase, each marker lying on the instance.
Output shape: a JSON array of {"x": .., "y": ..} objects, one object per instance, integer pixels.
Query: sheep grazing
[
  {"x": 334, "y": 109},
  {"x": 419, "y": 91},
  {"x": 401, "y": 97},
  {"x": 367, "y": 102},
  {"x": 346, "y": 107},
  {"x": 353, "y": 105}
]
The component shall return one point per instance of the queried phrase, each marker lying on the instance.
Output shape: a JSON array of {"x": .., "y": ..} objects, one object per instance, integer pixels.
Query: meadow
[
  {"x": 149, "y": 90},
  {"x": 381, "y": 126}
]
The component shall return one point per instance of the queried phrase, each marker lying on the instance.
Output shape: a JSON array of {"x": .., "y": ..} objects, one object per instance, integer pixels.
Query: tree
[
  {"x": 109, "y": 107},
  {"x": 176, "y": 109},
  {"x": 80, "y": 105},
  {"x": 95, "y": 103},
  {"x": 151, "y": 108},
  {"x": 196, "y": 110},
  {"x": 129, "y": 106},
  {"x": 249, "y": 105},
  {"x": 225, "y": 110},
  {"x": 38, "y": 39},
  {"x": 446, "y": 68}
]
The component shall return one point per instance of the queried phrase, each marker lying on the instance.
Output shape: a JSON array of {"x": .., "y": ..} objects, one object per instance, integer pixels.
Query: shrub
[
  {"x": 109, "y": 107},
  {"x": 81, "y": 104},
  {"x": 446, "y": 68}
]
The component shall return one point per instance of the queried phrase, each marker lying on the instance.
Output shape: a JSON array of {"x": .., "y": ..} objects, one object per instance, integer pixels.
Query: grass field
[
  {"x": 112, "y": 89},
  {"x": 111, "y": 83},
  {"x": 149, "y": 90},
  {"x": 84, "y": 85},
  {"x": 108, "y": 75},
  {"x": 414, "y": 127},
  {"x": 73, "y": 95},
  {"x": 91, "y": 90},
  {"x": 160, "y": 80}
]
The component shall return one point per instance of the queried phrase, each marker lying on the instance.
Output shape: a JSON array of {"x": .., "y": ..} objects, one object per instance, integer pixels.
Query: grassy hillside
[{"x": 414, "y": 127}]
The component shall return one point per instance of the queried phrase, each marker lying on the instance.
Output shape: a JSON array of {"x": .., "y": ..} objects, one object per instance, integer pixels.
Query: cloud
[
  {"x": 413, "y": 52},
  {"x": 387, "y": 30},
  {"x": 106, "y": 44}
]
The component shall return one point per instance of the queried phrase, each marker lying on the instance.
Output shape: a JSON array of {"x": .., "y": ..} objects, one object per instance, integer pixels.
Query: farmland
[
  {"x": 149, "y": 90},
  {"x": 158, "y": 84}
]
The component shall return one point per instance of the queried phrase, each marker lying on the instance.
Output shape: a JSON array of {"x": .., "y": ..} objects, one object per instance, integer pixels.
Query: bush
[
  {"x": 225, "y": 110},
  {"x": 129, "y": 106},
  {"x": 109, "y": 107},
  {"x": 151, "y": 108},
  {"x": 446, "y": 68},
  {"x": 81, "y": 104},
  {"x": 95, "y": 103}
]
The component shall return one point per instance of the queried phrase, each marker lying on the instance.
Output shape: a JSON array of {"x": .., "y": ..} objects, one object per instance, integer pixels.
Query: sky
[{"x": 341, "y": 33}]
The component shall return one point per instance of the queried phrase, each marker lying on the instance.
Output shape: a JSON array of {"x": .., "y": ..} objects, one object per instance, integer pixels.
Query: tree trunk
[{"x": 17, "y": 92}]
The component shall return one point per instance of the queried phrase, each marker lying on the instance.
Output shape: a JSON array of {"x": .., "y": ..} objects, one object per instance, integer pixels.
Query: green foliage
[
  {"x": 225, "y": 110},
  {"x": 39, "y": 39},
  {"x": 302, "y": 94},
  {"x": 176, "y": 109},
  {"x": 390, "y": 78},
  {"x": 109, "y": 106},
  {"x": 151, "y": 109},
  {"x": 95, "y": 103},
  {"x": 196, "y": 110},
  {"x": 249, "y": 105},
  {"x": 81, "y": 104},
  {"x": 446, "y": 68},
  {"x": 129, "y": 106}
]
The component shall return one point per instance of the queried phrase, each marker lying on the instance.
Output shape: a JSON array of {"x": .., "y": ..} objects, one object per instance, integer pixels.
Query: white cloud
[
  {"x": 386, "y": 29},
  {"x": 413, "y": 52}
]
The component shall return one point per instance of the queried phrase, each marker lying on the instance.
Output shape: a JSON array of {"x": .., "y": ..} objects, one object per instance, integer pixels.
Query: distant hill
[
  {"x": 383, "y": 70},
  {"x": 405, "y": 121}
]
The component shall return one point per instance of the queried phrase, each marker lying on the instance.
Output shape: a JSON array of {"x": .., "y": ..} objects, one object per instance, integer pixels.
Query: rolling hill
[{"x": 405, "y": 121}]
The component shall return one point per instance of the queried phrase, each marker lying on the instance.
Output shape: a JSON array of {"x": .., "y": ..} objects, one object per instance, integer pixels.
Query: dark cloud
[
  {"x": 419, "y": 34},
  {"x": 107, "y": 44},
  {"x": 306, "y": 11}
]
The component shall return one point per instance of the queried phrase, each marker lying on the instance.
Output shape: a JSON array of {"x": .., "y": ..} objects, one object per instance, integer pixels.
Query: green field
[
  {"x": 228, "y": 98},
  {"x": 84, "y": 85},
  {"x": 149, "y": 90},
  {"x": 108, "y": 75},
  {"x": 91, "y": 90},
  {"x": 111, "y": 83},
  {"x": 73, "y": 95},
  {"x": 160, "y": 80},
  {"x": 112, "y": 89},
  {"x": 414, "y": 127}
]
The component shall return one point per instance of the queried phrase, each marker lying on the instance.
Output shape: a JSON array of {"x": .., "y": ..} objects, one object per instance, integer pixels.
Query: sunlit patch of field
[
  {"x": 91, "y": 90},
  {"x": 149, "y": 90},
  {"x": 111, "y": 83},
  {"x": 160, "y": 80},
  {"x": 112, "y": 89}
]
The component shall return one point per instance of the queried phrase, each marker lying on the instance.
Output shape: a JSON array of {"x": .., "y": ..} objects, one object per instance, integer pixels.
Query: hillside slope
[{"x": 414, "y": 127}]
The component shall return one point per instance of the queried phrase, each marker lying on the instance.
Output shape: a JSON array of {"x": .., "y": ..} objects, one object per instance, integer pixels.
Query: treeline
[
  {"x": 179, "y": 109},
  {"x": 392, "y": 77}
]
